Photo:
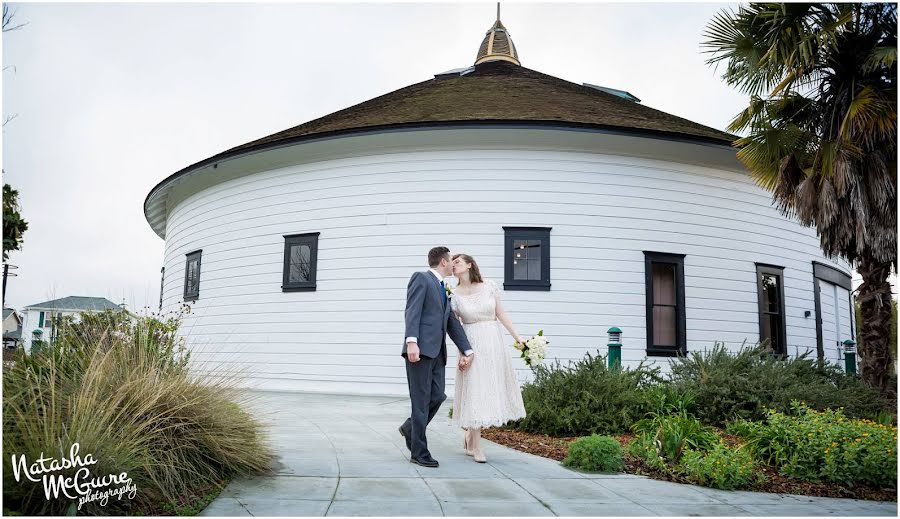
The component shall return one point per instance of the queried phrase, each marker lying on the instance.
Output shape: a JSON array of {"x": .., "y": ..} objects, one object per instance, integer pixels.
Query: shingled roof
[
  {"x": 79, "y": 303},
  {"x": 499, "y": 92}
]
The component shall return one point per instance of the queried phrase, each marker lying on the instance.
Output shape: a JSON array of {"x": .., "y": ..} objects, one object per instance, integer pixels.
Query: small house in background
[
  {"x": 12, "y": 328},
  {"x": 40, "y": 319}
]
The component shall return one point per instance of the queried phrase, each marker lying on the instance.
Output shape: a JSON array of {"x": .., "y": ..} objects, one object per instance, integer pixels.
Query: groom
[{"x": 428, "y": 321}]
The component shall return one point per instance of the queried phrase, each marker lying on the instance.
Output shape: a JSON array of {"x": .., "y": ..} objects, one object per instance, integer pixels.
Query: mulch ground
[{"x": 557, "y": 447}]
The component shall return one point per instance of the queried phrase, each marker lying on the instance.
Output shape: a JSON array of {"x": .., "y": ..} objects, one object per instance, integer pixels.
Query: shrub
[
  {"x": 814, "y": 446},
  {"x": 37, "y": 345},
  {"x": 674, "y": 433},
  {"x": 741, "y": 385},
  {"x": 668, "y": 398},
  {"x": 595, "y": 453},
  {"x": 585, "y": 397},
  {"x": 722, "y": 467},
  {"x": 135, "y": 408},
  {"x": 643, "y": 448}
]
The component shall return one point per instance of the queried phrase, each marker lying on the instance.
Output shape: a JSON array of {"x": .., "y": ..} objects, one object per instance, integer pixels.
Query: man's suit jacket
[{"x": 429, "y": 319}]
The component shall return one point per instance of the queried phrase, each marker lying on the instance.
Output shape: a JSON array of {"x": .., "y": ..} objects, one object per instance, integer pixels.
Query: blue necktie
[{"x": 443, "y": 293}]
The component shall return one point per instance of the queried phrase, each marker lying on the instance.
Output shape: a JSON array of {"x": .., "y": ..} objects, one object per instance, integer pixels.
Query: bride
[{"x": 487, "y": 392}]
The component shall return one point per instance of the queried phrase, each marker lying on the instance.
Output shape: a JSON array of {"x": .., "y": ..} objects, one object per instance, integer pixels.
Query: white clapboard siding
[{"x": 378, "y": 215}]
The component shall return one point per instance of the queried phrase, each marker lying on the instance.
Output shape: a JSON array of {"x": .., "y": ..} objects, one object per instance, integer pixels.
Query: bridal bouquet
[{"x": 533, "y": 349}]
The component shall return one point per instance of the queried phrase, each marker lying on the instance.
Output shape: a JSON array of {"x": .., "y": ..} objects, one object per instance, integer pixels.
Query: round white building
[{"x": 590, "y": 209}]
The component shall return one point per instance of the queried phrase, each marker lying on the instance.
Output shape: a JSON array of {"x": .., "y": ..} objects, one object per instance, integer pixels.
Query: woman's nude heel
[
  {"x": 466, "y": 444},
  {"x": 478, "y": 454}
]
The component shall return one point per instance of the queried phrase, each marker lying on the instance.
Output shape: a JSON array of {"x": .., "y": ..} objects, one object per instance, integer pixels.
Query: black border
[
  {"x": 651, "y": 257},
  {"x": 311, "y": 239},
  {"x": 774, "y": 270},
  {"x": 527, "y": 233},
  {"x": 162, "y": 284},
  {"x": 187, "y": 261}
]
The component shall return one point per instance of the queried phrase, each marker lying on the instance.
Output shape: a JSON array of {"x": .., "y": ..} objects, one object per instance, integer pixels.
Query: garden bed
[{"x": 556, "y": 448}]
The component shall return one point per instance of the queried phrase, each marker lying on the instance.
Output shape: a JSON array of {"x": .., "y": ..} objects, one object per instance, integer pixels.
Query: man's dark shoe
[
  {"x": 405, "y": 437},
  {"x": 425, "y": 462}
]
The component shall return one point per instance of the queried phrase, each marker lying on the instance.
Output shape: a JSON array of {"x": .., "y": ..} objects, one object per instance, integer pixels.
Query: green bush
[
  {"x": 585, "y": 397},
  {"x": 741, "y": 385},
  {"x": 668, "y": 398},
  {"x": 815, "y": 446},
  {"x": 123, "y": 393},
  {"x": 673, "y": 434},
  {"x": 37, "y": 345},
  {"x": 643, "y": 448},
  {"x": 722, "y": 467},
  {"x": 595, "y": 453}
]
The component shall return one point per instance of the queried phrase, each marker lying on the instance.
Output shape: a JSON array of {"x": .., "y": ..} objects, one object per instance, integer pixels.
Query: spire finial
[{"x": 497, "y": 45}]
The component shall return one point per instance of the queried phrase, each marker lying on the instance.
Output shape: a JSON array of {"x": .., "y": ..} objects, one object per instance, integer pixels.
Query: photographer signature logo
[{"x": 81, "y": 485}]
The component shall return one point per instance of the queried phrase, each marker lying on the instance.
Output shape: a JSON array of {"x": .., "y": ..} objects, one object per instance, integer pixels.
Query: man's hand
[
  {"x": 465, "y": 362},
  {"x": 412, "y": 352}
]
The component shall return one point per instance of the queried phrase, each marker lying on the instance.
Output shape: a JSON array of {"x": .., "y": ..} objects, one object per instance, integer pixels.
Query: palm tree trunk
[{"x": 876, "y": 364}]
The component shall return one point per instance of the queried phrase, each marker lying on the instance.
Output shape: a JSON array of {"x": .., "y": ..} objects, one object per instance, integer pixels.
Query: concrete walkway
[{"x": 343, "y": 456}]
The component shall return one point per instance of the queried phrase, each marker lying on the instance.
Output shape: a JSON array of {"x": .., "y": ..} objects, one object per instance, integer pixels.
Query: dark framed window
[
  {"x": 300, "y": 255},
  {"x": 666, "y": 327},
  {"x": 527, "y": 258},
  {"x": 770, "y": 287},
  {"x": 192, "y": 276},
  {"x": 162, "y": 283}
]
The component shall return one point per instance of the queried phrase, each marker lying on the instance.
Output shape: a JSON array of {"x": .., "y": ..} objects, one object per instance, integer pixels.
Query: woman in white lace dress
[{"x": 487, "y": 392}]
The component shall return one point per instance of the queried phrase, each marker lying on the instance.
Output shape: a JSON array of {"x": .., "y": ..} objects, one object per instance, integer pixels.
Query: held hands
[{"x": 465, "y": 362}]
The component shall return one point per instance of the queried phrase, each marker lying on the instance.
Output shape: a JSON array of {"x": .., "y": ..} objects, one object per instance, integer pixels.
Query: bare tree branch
[{"x": 8, "y": 16}]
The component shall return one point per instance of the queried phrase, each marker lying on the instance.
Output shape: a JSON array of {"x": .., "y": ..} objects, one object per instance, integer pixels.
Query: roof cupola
[{"x": 497, "y": 45}]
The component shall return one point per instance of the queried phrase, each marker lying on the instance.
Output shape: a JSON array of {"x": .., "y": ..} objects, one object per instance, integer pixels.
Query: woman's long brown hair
[{"x": 474, "y": 273}]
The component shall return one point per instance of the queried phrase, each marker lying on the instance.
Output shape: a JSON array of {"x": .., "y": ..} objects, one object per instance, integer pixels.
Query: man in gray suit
[{"x": 428, "y": 321}]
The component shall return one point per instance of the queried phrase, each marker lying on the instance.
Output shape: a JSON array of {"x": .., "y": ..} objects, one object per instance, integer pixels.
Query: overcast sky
[{"x": 109, "y": 99}]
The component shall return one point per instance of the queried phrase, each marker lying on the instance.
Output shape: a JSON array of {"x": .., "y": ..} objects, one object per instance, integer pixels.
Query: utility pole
[{"x": 6, "y": 267}]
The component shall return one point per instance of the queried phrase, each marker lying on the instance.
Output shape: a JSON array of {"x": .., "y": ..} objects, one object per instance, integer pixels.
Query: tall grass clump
[
  {"x": 585, "y": 397},
  {"x": 729, "y": 385},
  {"x": 121, "y": 388}
]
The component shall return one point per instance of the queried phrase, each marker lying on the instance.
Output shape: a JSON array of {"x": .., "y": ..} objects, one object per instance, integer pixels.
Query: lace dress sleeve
[{"x": 494, "y": 289}]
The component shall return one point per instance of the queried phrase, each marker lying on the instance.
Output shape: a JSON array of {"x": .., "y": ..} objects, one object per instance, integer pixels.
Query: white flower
[{"x": 534, "y": 349}]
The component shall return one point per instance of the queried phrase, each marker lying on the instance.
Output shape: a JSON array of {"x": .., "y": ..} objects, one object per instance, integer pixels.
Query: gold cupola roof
[{"x": 497, "y": 45}]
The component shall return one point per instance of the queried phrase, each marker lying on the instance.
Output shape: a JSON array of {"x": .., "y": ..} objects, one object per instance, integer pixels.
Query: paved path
[{"x": 343, "y": 456}]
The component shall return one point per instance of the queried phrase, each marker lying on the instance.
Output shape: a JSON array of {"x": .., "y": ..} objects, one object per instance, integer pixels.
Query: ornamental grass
[{"x": 122, "y": 390}]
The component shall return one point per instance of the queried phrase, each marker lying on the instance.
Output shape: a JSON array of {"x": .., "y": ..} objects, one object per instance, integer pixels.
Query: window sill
[
  {"x": 191, "y": 298},
  {"x": 298, "y": 288},
  {"x": 536, "y": 288},
  {"x": 665, "y": 352}
]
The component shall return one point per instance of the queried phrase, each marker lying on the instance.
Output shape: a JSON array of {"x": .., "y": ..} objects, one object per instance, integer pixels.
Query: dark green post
[
  {"x": 850, "y": 356},
  {"x": 614, "y": 357}
]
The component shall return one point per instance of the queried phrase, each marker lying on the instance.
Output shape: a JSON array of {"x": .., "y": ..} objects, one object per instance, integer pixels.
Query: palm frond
[{"x": 881, "y": 57}]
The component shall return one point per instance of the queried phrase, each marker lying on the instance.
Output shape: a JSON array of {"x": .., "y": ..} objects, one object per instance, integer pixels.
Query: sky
[{"x": 107, "y": 100}]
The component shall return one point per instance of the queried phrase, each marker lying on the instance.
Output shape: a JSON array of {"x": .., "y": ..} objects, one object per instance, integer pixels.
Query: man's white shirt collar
[{"x": 436, "y": 274}]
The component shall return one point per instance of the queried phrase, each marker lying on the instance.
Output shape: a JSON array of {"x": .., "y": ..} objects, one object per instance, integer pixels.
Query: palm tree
[{"x": 821, "y": 135}]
